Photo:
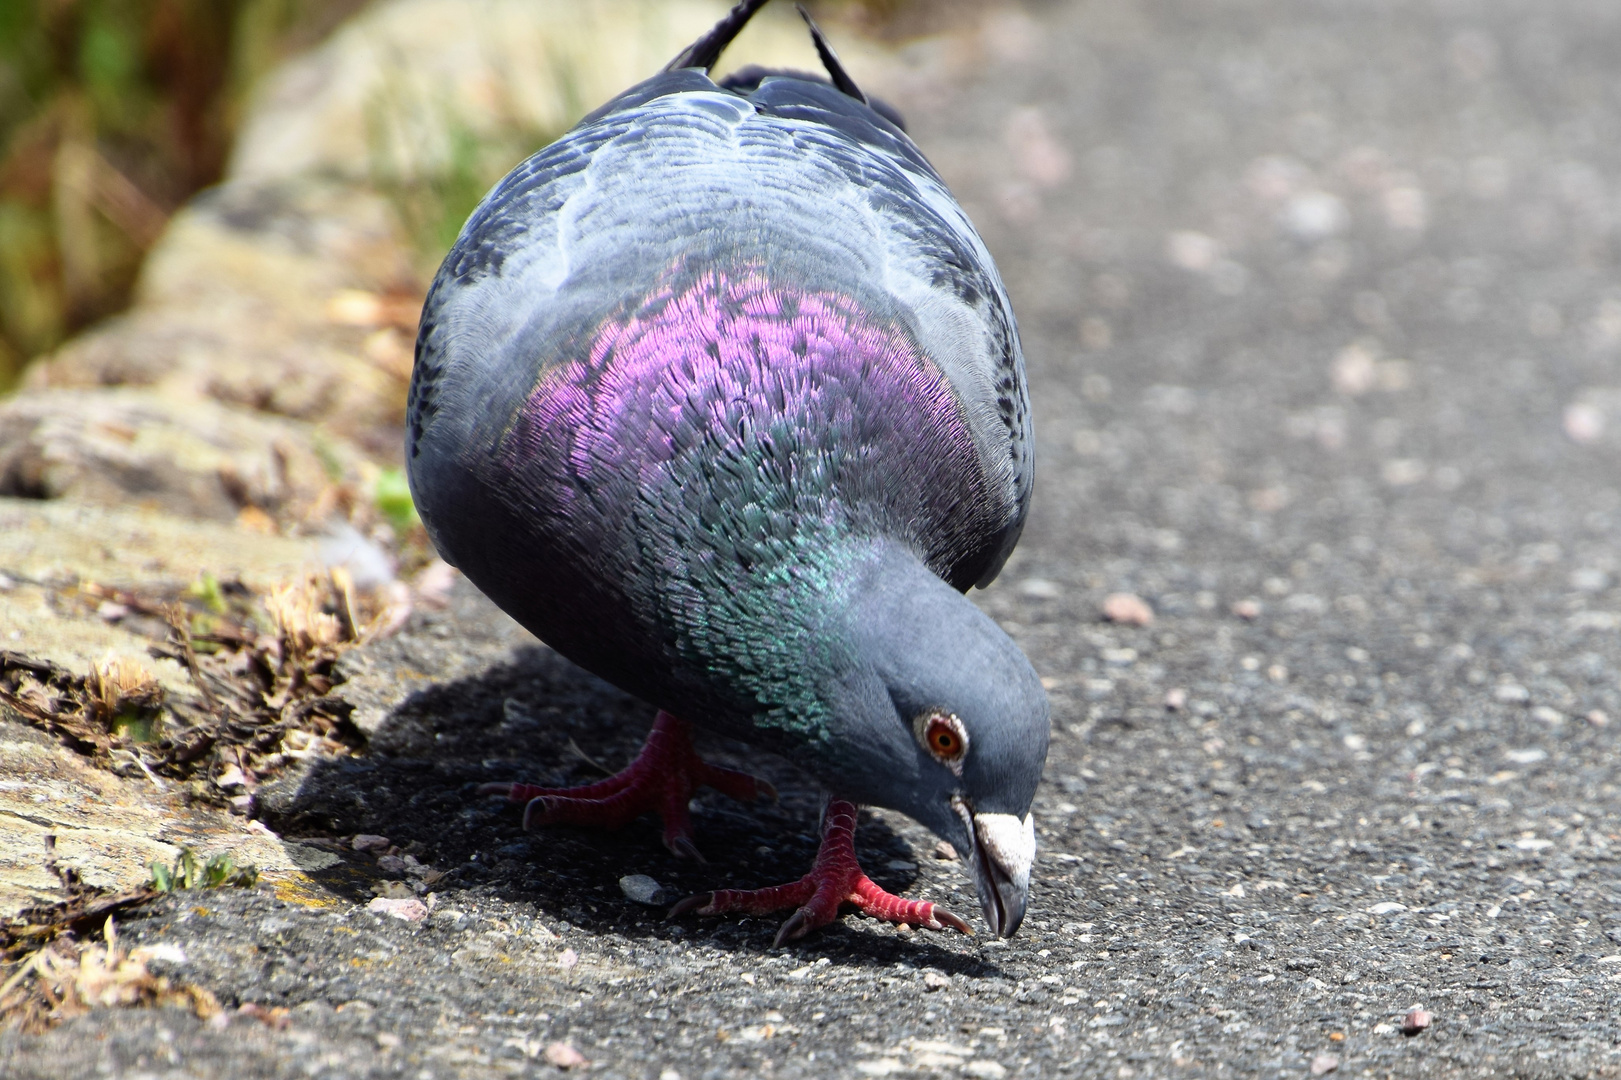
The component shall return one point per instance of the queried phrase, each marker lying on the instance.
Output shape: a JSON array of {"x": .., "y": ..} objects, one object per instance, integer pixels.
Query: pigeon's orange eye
[{"x": 944, "y": 737}]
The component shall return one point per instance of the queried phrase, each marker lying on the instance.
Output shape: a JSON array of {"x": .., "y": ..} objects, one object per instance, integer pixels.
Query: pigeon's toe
[
  {"x": 662, "y": 780},
  {"x": 835, "y": 880}
]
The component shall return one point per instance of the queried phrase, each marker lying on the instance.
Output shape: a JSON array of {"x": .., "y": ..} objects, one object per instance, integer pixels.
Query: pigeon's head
[{"x": 945, "y": 720}]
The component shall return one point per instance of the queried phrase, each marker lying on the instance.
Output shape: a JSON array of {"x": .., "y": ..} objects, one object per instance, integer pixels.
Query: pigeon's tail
[{"x": 705, "y": 52}]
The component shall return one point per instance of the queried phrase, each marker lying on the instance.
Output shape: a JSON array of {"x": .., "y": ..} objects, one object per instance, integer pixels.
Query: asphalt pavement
[{"x": 1323, "y": 320}]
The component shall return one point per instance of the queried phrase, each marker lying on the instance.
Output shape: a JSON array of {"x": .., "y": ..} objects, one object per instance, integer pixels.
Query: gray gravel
[{"x": 1324, "y": 325}]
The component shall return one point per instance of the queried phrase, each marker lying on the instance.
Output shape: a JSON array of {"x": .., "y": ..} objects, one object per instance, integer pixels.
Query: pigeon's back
[{"x": 703, "y": 337}]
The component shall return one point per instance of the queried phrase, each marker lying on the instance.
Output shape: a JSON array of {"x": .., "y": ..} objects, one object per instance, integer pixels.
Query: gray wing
[{"x": 793, "y": 175}]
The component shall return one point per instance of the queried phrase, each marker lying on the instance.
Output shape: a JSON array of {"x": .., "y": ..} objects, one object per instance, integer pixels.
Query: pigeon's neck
[
  {"x": 786, "y": 642},
  {"x": 772, "y": 637},
  {"x": 828, "y": 645}
]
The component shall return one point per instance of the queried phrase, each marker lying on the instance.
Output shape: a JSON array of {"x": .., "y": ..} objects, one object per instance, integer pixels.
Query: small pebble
[
  {"x": 1176, "y": 699},
  {"x": 1598, "y": 718},
  {"x": 565, "y": 1056},
  {"x": 1415, "y": 1021},
  {"x": 1315, "y": 215},
  {"x": 945, "y": 852},
  {"x": 392, "y": 864},
  {"x": 567, "y": 958},
  {"x": 411, "y": 910},
  {"x": 434, "y": 583},
  {"x": 368, "y": 842},
  {"x": 163, "y": 951},
  {"x": 450, "y": 918},
  {"x": 1584, "y": 423},
  {"x": 1041, "y": 588},
  {"x": 1192, "y": 251},
  {"x": 1324, "y": 1063},
  {"x": 642, "y": 889},
  {"x": 1127, "y": 609},
  {"x": 232, "y": 777},
  {"x": 355, "y": 307},
  {"x": 274, "y": 1017},
  {"x": 1512, "y": 694},
  {"x": 1247, "y": 609},
  {"x": 934, "y": 980}
]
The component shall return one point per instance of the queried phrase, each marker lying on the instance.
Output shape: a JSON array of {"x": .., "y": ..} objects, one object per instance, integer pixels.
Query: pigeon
[{"x": 721, "y": 396}]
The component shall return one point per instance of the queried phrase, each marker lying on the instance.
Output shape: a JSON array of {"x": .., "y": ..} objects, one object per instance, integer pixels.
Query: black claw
[
  {"x": 792, "y": 930},
  {"x": 682, "y": 847},
  {"x": 946, "y": 918},
  {"x": 691, "y": 903},
  {"x": 533, "y": 810},
  {"x": 765, "y": 791},
  {"x": 502, "y": 789}
]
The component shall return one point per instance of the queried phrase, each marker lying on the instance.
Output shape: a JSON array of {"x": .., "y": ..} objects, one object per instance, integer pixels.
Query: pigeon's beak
[{"x": 1003, "y": 850}]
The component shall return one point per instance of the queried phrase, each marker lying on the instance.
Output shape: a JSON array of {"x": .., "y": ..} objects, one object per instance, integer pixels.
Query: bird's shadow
[{"x": 536, "y": 717}]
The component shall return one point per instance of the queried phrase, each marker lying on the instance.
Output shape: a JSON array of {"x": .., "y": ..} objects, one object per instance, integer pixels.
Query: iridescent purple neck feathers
[
  {"x": 698, "y": 467},
  {"x": 789, "y": 392}
]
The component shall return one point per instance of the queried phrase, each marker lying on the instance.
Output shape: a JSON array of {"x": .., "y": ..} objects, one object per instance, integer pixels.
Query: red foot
[
  {"x": 835, "y": 879},
  {"x": 661, "y": 779}
]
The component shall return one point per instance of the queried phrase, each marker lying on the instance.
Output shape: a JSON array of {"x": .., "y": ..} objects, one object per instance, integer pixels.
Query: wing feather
[{"x": 808, "y": 179}]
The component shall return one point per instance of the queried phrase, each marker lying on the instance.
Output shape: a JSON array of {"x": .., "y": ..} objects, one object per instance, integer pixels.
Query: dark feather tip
[
  {"x": 704, "y": 52},
  {"x": 830, "y": 59}
]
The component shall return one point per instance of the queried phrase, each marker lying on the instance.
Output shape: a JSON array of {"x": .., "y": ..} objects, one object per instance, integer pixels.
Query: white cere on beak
[
  {"x": 1011, "y": 843},
  {"x": 1004, "y": 849}
]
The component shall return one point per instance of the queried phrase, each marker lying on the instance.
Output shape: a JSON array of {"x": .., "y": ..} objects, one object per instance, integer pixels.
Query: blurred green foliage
[
  {"x": 433, "y": 201},
  {"x": 112, "y": 113},
  {"x": 434, "y": 204},
  {"x": 392, "y": 494},
  {"x": 219, "y": 872}
]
